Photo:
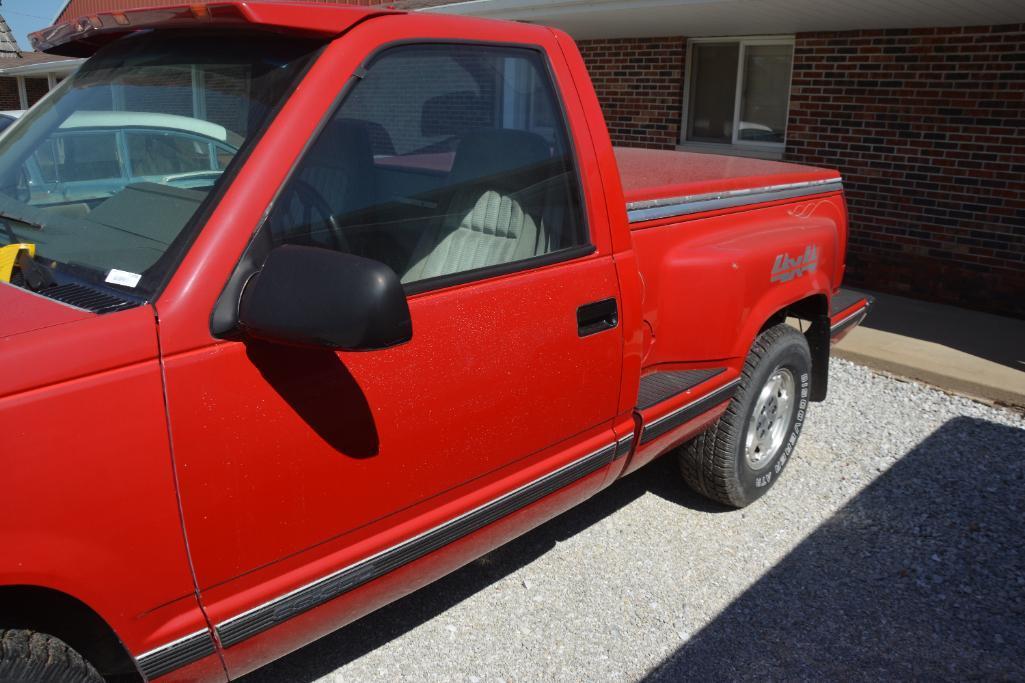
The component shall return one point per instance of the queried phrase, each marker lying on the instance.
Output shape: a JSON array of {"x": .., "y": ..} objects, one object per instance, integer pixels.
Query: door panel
[
  {"x": 280, "y": 449},
  {"x": 296, "y": 464},
  {"x": 287, "y": 631}
]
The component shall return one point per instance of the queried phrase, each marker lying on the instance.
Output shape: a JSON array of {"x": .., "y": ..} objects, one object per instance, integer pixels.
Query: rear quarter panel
[{"x": 708, "y": 279}]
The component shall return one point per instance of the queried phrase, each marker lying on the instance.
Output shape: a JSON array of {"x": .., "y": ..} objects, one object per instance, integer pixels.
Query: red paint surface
[
  {"x": 707, "y": 280},
  {"x": 292, "y": 464},
  {"x": 659, "y": 174},
  {"x": 87, "y": 497},
  {"x": 24, "y": 311}
]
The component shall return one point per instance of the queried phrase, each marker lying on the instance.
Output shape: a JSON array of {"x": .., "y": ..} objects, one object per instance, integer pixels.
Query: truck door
[{"x": 452, "y": 163}]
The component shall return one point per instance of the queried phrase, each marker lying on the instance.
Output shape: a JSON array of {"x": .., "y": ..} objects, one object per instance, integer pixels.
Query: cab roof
[{"x": 82, "y": 37}]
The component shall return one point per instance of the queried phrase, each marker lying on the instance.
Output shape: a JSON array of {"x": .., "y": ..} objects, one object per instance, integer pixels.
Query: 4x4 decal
[{"x": 785, "y": 269}]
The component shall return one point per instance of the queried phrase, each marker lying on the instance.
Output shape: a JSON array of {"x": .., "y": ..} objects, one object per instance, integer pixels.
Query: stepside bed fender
[
  {"x": 800, "y": 281},
  {"x": 712, "y": 284}
]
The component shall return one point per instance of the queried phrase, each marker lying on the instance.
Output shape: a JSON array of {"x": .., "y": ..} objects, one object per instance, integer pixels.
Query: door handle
[{"x": 597, "y": 316}]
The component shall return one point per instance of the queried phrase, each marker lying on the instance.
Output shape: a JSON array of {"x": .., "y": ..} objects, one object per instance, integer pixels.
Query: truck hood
[
  {"x": 44, "y": 343},
  {"x": 24, "y": 311}
]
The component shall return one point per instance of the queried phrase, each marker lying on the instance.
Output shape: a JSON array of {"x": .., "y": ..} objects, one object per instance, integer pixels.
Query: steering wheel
[{"x": 311, "y": 199}]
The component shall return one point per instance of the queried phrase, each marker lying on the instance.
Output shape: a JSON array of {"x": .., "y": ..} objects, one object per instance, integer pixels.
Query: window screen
[{"x": 442, "y": 159}]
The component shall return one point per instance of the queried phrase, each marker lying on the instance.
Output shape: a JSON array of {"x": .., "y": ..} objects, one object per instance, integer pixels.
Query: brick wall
[
  {"x": 928, "y": 128},
  {"x": 9, "y": 93},
  {"x": 35, "y": 88},
  {"x": 639, "y": 82}
]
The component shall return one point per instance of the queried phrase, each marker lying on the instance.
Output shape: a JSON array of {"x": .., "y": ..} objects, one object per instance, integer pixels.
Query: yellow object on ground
[{"x": 9, "y": 257}]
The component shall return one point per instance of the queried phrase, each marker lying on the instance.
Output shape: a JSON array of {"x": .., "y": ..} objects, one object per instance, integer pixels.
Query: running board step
[{"x": 660, "y": 386}]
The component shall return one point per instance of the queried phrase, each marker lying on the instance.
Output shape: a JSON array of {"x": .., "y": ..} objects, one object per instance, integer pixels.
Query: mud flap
[{"x": 818, "y": 343}]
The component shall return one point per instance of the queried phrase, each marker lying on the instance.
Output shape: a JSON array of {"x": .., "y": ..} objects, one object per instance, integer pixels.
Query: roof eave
[{"x": 59, "y": 67}]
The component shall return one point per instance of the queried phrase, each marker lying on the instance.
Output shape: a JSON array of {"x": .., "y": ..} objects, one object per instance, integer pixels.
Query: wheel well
[
  {"x": 813, "y": 309},
  {"x": 58, "y": 614}
]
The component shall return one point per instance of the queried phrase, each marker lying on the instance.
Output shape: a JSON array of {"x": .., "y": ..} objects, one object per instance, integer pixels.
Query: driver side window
[{"x": 442, "y": 161}]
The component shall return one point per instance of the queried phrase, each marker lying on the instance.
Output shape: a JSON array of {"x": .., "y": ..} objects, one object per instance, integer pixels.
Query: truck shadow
[
  {"x": 314, "y": 383},
  {"x": 378, "y": 628},
  {"x": 863, "y": 597},
  {"x": 921, "y": 576}
]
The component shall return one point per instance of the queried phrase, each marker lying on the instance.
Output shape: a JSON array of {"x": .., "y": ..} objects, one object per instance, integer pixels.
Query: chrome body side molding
[
  {"x": 176, "y": 654},
  {"x": 243, "y": 626}
]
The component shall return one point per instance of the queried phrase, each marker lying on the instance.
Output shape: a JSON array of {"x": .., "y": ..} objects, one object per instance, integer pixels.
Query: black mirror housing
[{"x": 308, "y": 296}]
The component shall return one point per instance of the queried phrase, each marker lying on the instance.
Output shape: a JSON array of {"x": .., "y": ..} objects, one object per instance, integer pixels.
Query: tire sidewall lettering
[
  {"x": 795, "y": 429},
  {"x": 759, "y": 481}
]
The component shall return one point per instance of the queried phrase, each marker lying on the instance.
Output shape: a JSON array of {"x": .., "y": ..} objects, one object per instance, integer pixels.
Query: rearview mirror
[{"x": 309, "y": 296}]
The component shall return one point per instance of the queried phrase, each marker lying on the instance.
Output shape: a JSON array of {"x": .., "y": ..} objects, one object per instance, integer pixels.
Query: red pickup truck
[{"x": 326, "y": 302}]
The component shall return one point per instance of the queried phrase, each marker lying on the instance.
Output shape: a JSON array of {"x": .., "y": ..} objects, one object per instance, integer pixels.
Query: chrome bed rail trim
[{"x": 653, "y": 209}]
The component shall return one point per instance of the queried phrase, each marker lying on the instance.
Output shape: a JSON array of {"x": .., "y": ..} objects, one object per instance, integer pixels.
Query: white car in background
[
  {"x": 94, "y": 154},
  {"x": 9, "y": 117}
]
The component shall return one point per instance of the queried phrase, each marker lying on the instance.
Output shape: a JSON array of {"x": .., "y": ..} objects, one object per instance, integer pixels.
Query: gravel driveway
[{"x": 892, "y": 548}]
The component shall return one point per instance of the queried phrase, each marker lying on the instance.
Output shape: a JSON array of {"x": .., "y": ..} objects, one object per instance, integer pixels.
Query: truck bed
[{"x": 664, "y": 183}]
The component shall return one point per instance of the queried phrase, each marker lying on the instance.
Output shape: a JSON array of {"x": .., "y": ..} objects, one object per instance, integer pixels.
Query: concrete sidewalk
[{"x": 964, "y": 351}]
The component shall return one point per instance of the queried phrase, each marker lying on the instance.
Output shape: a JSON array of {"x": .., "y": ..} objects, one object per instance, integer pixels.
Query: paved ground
[
  {"x": 956, "y": 349},
  {"x": 892, "y": 548}
]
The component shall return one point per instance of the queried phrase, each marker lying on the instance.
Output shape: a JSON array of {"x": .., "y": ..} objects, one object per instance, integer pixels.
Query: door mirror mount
[{"x": 308, "y": 296}]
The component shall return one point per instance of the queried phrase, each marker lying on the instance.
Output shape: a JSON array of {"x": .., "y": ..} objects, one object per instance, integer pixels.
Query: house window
[{"x": 738, "y": 93}]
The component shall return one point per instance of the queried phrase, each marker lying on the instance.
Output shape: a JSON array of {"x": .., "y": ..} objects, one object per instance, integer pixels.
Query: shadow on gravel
[
  {"x": 378, "y": 628},
  {"x": 922, "y": 576}
]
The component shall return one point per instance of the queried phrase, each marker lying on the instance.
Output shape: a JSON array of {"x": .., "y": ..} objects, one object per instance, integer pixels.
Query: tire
[
  {"x": 30, "y": 657},
  {"x": 717, "y": 463}
]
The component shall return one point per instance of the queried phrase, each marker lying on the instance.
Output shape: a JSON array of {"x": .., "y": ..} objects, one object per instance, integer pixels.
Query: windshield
[{"x": 105, "y": 174}]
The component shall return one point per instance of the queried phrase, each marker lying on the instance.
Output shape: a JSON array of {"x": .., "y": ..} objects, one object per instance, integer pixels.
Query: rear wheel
[
  {"x": 30, "y": 657},
  {"x": 740, "y": 457}
]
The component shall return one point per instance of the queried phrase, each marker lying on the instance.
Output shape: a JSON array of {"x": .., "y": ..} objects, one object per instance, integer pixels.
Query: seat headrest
[
  {"x": 489, "y": 152},
  {"x": 452, "y": 113},
  {"x": 380, "y": 139},
  {"x": 343, "y": 143}
]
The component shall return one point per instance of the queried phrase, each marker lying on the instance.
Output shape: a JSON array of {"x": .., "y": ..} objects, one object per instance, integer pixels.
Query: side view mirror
[{"x": 307, "y": 296}]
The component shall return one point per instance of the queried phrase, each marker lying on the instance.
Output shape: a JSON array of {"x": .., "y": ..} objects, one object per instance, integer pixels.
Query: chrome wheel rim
[{"x": 767, "y": 428}]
